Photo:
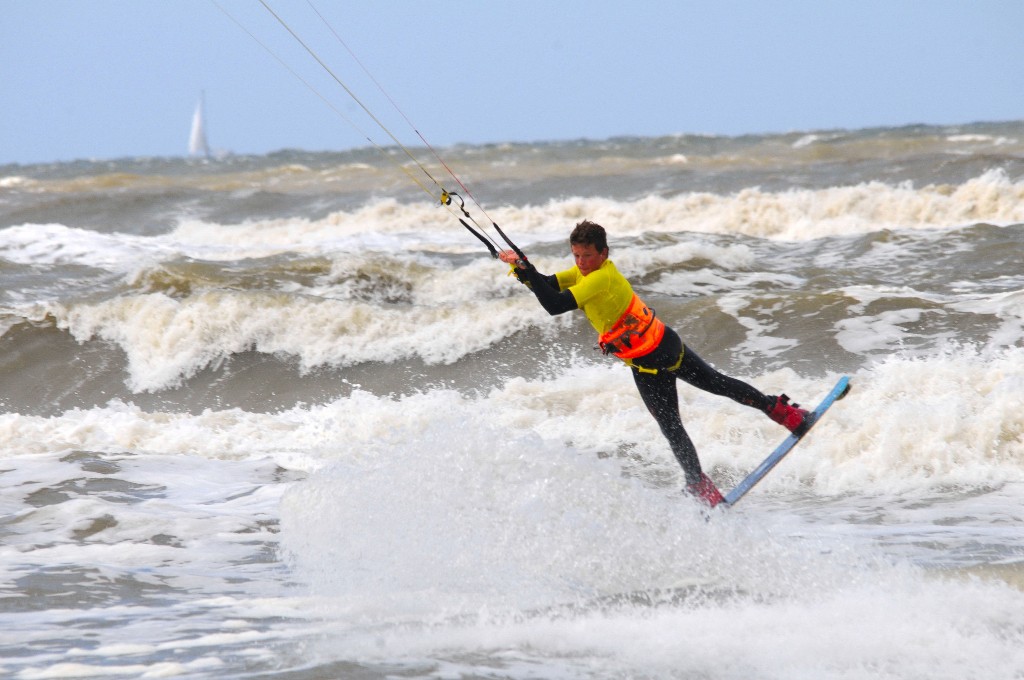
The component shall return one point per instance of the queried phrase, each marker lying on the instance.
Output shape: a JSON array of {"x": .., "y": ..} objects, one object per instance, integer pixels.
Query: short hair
[{"x": 592, "y": 233}]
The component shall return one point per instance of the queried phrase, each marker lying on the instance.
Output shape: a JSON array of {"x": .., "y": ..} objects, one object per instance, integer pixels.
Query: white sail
[{"x": 197, "y": 145}]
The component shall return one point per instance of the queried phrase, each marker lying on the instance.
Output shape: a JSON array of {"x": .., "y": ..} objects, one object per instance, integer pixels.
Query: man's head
[
  {"x": 589, "y": 245},
  {"x": 589, "y": 232}
]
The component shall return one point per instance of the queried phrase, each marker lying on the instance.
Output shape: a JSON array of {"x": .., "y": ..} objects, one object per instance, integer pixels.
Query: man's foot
[
  {"x": 706, "y": 491},
  {"x": 790, "y": 416}
]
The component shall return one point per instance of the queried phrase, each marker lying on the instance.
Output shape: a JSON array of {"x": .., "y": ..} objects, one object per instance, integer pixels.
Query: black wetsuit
[{"x": 670, "y": 361}]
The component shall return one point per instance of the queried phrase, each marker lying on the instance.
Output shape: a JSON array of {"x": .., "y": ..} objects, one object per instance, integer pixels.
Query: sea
[{"x": 283, "y": 417}]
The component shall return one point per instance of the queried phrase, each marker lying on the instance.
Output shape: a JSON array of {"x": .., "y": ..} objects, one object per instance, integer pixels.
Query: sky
[{"x": 104, "y": 79}]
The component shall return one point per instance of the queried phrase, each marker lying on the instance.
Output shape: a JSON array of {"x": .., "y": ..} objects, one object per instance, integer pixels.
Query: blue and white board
[{"x": 838, "y": 392}]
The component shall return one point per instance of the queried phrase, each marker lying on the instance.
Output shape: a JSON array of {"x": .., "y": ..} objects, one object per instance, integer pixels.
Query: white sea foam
[
  {"x": 394, "y": 306},
  {"x": 858, "y": 632},
  {"x": 806, "y": 140},
  {"x": 49, "y": 244},
  {"x": 980, "y": 139},
  {"x": 798, "y": 214},
  {"x": 1008, "y": 307},
  {"x": 15, "y": 182},
  {"x": 910, "y": 423},
  {"x": 167, "y": 340},
  {"x": 440, "y": 522},
  {"x": 462, "y": 529}
]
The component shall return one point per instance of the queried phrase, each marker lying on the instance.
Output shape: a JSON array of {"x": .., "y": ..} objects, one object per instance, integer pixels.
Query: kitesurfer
[{"x": 630, "y": 330}]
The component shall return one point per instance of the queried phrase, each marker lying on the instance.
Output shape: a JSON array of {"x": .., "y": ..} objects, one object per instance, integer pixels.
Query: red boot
[
  {"x": 706, "y": 491},
  {"x": 790, "y": 416}
]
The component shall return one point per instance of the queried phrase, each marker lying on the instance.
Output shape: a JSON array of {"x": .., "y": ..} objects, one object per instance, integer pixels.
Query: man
[{"x": 630, "y": 330}]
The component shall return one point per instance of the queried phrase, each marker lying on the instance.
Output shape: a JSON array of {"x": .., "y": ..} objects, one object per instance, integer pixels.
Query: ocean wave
[
  {"x": 167, "y": 340},
  {"x": 741, "y": 300},
  {"x": 387, "y": 224},
  {"x": 52, "y": 244},
  {"x": 955, "y": 419},
  {"x": 15, "y": 181},
  {"x": 798, "y": 214}
]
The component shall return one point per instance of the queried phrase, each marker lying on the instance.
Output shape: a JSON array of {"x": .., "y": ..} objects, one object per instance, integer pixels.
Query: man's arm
[{"x": 545, "y": 288}]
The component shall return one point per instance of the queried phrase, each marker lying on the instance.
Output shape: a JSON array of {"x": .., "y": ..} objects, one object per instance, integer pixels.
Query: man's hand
[
  {"x": 510, "y": 257},
  {"x": 518, "y": 268}
]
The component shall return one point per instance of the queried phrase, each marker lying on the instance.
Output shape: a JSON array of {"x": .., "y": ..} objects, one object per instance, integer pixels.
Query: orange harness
[{"x": 637, "y": 332}]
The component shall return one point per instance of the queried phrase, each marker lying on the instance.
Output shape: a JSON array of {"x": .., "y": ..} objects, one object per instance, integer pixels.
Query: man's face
[{"x": 587, "y": 257}]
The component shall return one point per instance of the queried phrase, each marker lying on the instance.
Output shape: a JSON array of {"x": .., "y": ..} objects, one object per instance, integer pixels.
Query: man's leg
[
  {"x": 700, "y": 374},
  {"x": 658, "y": 391}
]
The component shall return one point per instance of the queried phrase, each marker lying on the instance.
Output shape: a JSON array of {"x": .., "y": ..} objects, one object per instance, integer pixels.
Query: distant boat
[{"x": 197, "y": 145}]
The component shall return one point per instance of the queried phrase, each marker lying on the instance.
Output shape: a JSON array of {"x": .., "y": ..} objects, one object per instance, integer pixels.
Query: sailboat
[{"x": 197, "y": 145}]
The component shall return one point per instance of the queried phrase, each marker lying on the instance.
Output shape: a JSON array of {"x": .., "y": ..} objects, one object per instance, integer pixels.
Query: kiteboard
[{"x": 841, "y": 389}]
